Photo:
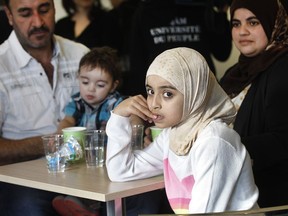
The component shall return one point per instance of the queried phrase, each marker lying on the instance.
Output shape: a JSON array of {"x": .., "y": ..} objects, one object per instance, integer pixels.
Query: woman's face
[
  {"x": 164, "y": 101},
  {"x": 248, "y": 34}
]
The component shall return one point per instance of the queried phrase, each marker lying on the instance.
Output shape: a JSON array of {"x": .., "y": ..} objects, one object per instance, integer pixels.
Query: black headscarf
[{"x": 274, "y": 20}]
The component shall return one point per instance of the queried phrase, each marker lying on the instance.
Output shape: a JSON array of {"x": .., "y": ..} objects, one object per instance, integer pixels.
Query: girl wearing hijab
[
  {"x": 258, "y": 86},
  {"x": 206, "y": 168}
]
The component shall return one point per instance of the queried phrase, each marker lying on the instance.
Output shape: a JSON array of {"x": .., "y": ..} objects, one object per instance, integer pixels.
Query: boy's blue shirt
[{"x": 89, "y": 117}]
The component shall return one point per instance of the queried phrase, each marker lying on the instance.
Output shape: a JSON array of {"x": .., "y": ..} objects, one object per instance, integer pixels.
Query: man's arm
[{"x": 13, "y": 151}]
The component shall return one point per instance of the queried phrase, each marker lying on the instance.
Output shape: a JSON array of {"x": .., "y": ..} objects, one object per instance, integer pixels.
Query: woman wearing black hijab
[{"x": 258, "y": 86}]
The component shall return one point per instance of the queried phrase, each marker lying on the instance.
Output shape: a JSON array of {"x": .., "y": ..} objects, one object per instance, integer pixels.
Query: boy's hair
[{"x": 105, "y": 58}]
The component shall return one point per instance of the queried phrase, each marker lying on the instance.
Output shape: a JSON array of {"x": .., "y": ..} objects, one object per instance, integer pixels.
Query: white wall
[
  {"x": 60, "y": 12},
  {"x": 220, "y": 66}
]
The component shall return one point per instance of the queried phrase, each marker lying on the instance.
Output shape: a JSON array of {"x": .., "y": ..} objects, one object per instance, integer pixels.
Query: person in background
[
  {"x": 206, "y": 167},
  {"x": 87, "y": 23},
  {"x": 285, "y": 5},
  {"x": 38, "y": 75},
  {"x": 257, "y": 84},
  {"x": 121, "y": 15},
  {"x": 164, "y": 24},
  {"x": 4, "y": 25}
]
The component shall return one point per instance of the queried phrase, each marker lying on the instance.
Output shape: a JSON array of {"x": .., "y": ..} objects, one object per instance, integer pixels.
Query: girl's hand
[{"x": 136, "y": 105}]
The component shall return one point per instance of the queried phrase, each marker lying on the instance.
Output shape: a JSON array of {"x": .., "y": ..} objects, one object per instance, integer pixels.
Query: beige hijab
[{"x": 204, "y": 99}]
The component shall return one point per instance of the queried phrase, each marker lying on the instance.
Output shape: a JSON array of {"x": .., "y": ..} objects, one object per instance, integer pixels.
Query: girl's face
[
  {"x": 248, "y": 34},
  {"x": 164, "y": 101},
  {"x": 95, "y": 85}
]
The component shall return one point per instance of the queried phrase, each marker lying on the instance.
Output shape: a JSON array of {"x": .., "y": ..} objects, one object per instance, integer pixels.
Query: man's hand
[{"x": 13, "y": 151}]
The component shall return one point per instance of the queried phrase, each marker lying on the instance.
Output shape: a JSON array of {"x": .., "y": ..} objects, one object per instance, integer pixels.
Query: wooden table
[{"x": 78, "y": 180}]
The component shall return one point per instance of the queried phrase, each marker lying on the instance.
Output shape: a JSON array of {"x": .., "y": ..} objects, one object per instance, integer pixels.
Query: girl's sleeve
[{"x": 124, "y": 164}]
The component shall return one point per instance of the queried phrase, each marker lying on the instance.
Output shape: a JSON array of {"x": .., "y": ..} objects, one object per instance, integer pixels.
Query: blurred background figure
[
  {"x": 87, "y": 22},
  {"x": 121, "y": 15},
  {"x": 285, "y": 4},
  {"x": 163, "y": 24},
  {"x": 4, "y": 25}
]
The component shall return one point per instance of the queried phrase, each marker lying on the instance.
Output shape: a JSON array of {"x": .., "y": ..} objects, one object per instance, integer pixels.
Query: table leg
[
  {"x": 116, "y": 207},
  {"x": 123, "y": 206},
  {"x": 110, "y": 207}
]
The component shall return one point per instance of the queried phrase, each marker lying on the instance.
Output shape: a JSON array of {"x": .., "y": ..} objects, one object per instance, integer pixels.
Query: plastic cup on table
[
  {"x": 52, "y": 146},
  {"x": 155, "y": 131},
  {"x": 95, "y": 148},
  {"x": 137, "y": 142},
  {"x": 74, "y": 138}
]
